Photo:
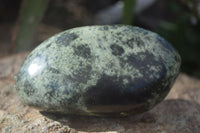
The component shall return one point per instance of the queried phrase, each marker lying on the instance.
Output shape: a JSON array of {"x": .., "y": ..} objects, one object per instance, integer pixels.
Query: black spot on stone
[
  {"x": 53, "y": 70},
  {"x": 103, "y": 28},
  {"x": 83, "y": 51},
  {"x": 116, "y": 49},
  {"x": 28, "y": 88},
  {"x": 105, "y": 38},
  {"x": 119, "y": 34},
  {"x": 129, "y": 43},
  {"x": 139, "y": 42},
  {"x": 134, "y": 42},
  {"x": 38, "y": 55},
  {"x": 66, "y": 38},
  {"x": 48, "y": 45}
]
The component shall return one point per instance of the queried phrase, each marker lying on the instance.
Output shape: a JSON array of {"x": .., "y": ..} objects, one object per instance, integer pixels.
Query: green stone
[{"x": 99, "y": 70}]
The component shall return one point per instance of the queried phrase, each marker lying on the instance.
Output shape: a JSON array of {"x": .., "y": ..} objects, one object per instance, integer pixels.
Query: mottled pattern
[{"x": 99, "y": 70}]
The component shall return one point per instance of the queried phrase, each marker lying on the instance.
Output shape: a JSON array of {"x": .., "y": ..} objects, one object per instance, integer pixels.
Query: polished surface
[{"x": 99, "y": 70}]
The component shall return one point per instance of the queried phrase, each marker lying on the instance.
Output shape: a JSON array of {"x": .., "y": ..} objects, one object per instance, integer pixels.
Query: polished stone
[{"x": 99, "y": 70}]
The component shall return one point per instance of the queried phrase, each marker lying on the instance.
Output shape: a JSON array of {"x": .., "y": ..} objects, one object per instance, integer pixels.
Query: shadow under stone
[{"x": 176, "y": 115}]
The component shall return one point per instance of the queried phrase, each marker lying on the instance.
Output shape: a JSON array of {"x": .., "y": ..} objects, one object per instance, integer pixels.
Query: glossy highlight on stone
[{"x": 99, "y": 70}]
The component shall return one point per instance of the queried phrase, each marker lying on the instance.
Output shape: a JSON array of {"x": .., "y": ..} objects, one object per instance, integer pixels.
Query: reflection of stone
[
  {"x": 179, "y": 113},
  {"x": 113, "y": 13}
]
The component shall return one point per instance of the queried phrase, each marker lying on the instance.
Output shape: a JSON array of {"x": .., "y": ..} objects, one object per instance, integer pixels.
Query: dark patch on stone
[
  {"x": 53, "y": 85},
  {"x": 116, "y": 49},
  {"x": 81, "y": 75},
  {"x": 52, "y": 89},
  {"x": 131, "y": 42},
  {"x": 119, "y": 34},
  {"x": 83, "y": 51},
  {"x": 105, "y": 27},
  {"x": 142, "y": 59},
  {"x": 143, "y": 62},
  {"x": 28, "y": 88},
  {"x": 53, "y": 70},
  {"x": 50, "y": 95},
  {"x": 48, "y": 45},
  {"x": 29, "y": 56},
  {"x": 106, "y": 91},
  {"x": 110, "y": 90},
  {"x": 38, "y": 55},
  {"x": 138, "y": 42},
  {"x": 66, "y": 38},
  {"x": 105, "y": 38},
  {"x": 149, "y": 38}
]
